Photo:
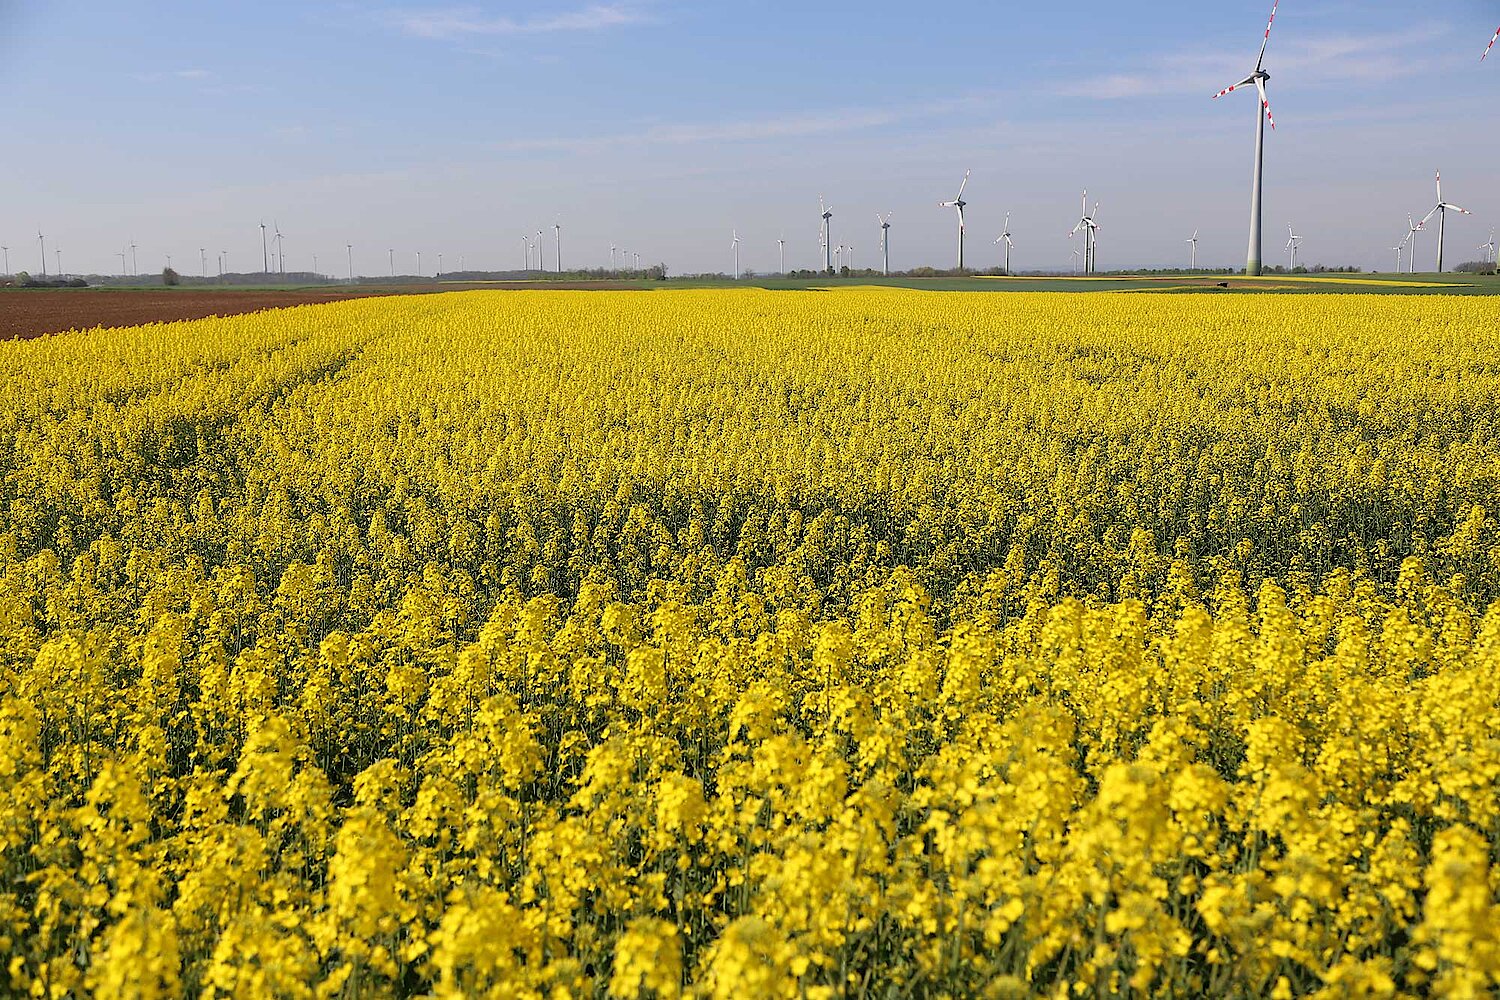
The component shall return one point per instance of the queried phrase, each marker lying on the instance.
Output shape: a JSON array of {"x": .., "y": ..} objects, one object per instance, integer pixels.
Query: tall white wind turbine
[
  {"x": 734, "y": 245},
  {"x": 1399, "y": 248},
  {"x": 1262, "y": 116},
  {"x": 1004, "y": 237},
  {"x": 6, "y": 251},
  {"x": 42, "y": 240},
  {"x": 885, "y": 241},
  {"x": 1090, "y": 230},
  {"x": 1292, "y": 244},
  {"x": 959, "y": 205},
  {"x": 1488, "y": 248},
  {"x": 827, "y": 214},
  {"x": 1193, "y": 265},
  {"x": 782, "y": 244},
  {"x": 1412, "y": 229},
  {"x": 557, "y": 229},
  {"x": 1441, "y": 210}
]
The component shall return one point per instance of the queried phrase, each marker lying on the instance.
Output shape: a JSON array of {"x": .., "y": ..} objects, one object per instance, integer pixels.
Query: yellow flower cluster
[{"x": 755, "y": 644}]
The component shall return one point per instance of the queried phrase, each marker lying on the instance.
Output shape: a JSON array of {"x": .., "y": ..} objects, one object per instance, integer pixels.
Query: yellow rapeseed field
[{"x": 755, "y": 644}]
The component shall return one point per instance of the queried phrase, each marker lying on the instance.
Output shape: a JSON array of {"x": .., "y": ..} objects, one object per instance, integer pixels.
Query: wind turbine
[
  {"x": 440, "y": 266},
  {"x": 1490, "y": 46},
  {"x": 1293, "y": 242},
  {"x": 392, "y": 252},
  {"x": 782, "y": 244},
  {"x": 1009, "y": 243},
  {"x": 120, "y": 254},
  {"x": 280, "y": 250},
  {"x": 350, "y": 248},
  {"x": 959, "y": 204},
  {"x": 1441, "y": 211},
  {"x": 1412, "y": 229},
  {"x": 1399, "y": 248},
  {"x": 265, "y": 253},
  {"x": 6, "y": 251},
  {"x": 203, "y": 262},
  {"x": 1262, "y": 116},
  {"x": 734, "y": 245},
  {"x": 827, "y": 213},
  {"x": 1194, "y": 241},
  {"x": 135, "y": 267},
  {"x": 1489, "y": 249},
  {"x": 885, "y": 241},
  {"x": 43, "y": 241},
  {"x": 612, "y": 249},
  {"x": 1090, "y": 230},
  {"x": 58, "y": 252},
  {"x": 1075, "y": 263},
  {"x": 541, "y": 250},
  {"x": 557, "y": 229}
]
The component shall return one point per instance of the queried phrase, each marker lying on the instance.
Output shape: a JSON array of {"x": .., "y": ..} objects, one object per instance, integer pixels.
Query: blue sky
[{"x": 663, "y": 126}]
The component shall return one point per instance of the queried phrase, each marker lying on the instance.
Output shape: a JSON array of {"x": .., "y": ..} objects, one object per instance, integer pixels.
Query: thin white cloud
[
  {"x": 1335, "y": 58},
  {"x": 157, "y": 76},
  {"x": 798, "y": 125},
  {"x": 467, "y": 22}
]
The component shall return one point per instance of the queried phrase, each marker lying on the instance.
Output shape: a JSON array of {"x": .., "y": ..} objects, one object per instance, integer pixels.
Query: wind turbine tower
[
  {"x": 1193, "y": 265},
  {"x": 1004, "y": 237},
  {"x": 827, "y": 212},
  {"x": 1441, "y": 211},
  {"x": 43, "y": 241},
  {"x": 959, "y": 204},
  {"x": 265, "y": 252},
  {"x": 557, "y": 231},
  {"x": 885, "y": 242},
  {"x": 734, "y": 245},
  {"x": 781, "y": 243},
  {"x": 1292, "y": 244},
  {"x": 1090, "y": 230},
  {"x": 1262, "y": 116}
]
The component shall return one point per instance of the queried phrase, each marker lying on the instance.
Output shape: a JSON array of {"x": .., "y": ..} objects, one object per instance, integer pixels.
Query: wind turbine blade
[
  {"x": 1265, "y": 102},
  {"x": 1247, "y": 81},
  {"x": 1490, "y": 46},
  {"x": 1440, "y": 186},
  {"x": 1455, "y": 208},
  {"x": 1261, "y": 59},
  {"x": 962, "y": 186}
]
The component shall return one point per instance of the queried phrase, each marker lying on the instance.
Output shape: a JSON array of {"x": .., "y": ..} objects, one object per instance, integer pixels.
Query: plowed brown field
[{"x": 34, "y": 312}]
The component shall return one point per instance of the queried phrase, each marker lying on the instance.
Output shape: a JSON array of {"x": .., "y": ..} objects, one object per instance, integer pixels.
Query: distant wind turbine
[
  {"x": 1399, "y": 248},
  {"x": 43, "y": 241},
  {"x": 1489, "y": 248},
  {"x": 1441, "y": 211},
  {"x": 1090, "y": 230},
  {"x": 827, "y": 215},
  {"x": 349, "y": 247},
  {"x": 1262, "y": 116},
  {"x": 135, "y": 264},
  {"x": 1004, "y": 237},
  {"x": 541, "y": 252},
  {"x": 1412, "y": 229},
  {"x": 782, "y": 244},
  {"x": 1075, "y": 263},
  {"x": 557, "y": 230},
  {"x": 203, "y": 262},
  {"x": 6, "y": 251},
  {"x": 958, "y": 204},
  {"x": 120, "y": 254},
  {"x": 1293, "y": 242},
  {"x": 265, "y": 252},
  {"x": 392, "y": 252},
  {"x": 885, "y": 241},
  {"x": 734, "y": 245},
  {"x": 280, "y": 250},
  {"x": 1193, "y": 266}
]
